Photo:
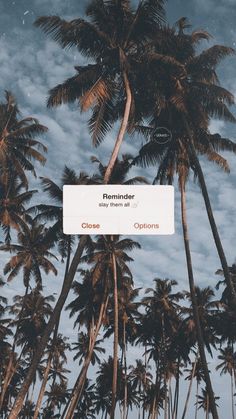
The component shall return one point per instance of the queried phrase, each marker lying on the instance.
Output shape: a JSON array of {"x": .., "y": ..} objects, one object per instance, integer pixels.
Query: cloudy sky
[{"x": 30, "y": 64}]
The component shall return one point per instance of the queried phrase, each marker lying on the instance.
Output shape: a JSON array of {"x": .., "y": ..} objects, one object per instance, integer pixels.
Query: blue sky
[{"x": 30, "y": 64}]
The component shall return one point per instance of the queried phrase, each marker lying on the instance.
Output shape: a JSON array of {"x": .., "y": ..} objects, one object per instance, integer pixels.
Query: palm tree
[
  {"x": 109, "y": 82},
  {"x": 190, "y": 377},
  {"x": 89, "y": 307},
  {"x": 48, "y": 329},
  {"x": 193, "y": 87},
  {"x": 5, "y": 346},
  {"x": 86, "y": 408},
  {"x": 18, "y": 145},
  {"x": 110, "y": 252},
  {"x": 23, "y": 304},
  {"x": 127, "y": 324},
  {"x": 31, "y": 312},
  {"x": 12, "y": 205},
  {"x": 208, "y": 308},
  {"x": 203, "y": 402},
  {"x": 104, "y": 383},
  {"x": 82, "y": 349},
  {"x": 52, "y": 212},
  {"x": 109, "y": 258},
  {"x": 141, "y": 379},
  {"x": 119, "y": 173},
  {"x": 152, "y": 401},
  {"x": 228, "y": 366},
  {"x": 57, "y": 397},
  {"x": 189, "y": 98},
  {"x": 160, "y": 324},
  {"x": 55, "y": 357},
  {"x": 32, "y": 253},
  {"x": 27, "y": 411}
]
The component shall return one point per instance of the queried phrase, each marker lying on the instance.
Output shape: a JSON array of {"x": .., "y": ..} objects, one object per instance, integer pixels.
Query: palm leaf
[
  {"x": 98, "y": 93},
  {"x": 77, "y": 33},
  {"x": 101, "y": 121},
  {"x": 75, "y": 87}
]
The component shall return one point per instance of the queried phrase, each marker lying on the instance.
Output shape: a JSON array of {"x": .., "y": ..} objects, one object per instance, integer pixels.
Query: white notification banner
[{"x": 118, "y": 209}]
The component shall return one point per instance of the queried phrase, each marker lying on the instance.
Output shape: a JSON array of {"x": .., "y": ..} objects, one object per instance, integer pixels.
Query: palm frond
[
  {"x": 89, "y": 40},
  {"x": 98, "y": 93},
  {"x": 101, "y": 121},
  {"x": 212, "y": 56},
  {"x": 51, "y": 188},
  {"x": 75, "y": 87}
]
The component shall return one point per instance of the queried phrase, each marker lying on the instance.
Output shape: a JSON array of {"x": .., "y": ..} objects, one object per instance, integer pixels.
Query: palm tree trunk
[
  {"x": 190, "y": 388},
  {"x": 9, "y": 370},
  {"x": 47, "y": 370},
  {"x": 166, "y": 397},
  {"x": 232, "y": 394},
  {"x": 79, "y": 385},
  {"x": 207, "y": 409},
  {"x": 122, "y": 129},
  {"x": 7, "y": 379},
  {"x": 116, "y": 340},
  {"x": 194, "y": 302},
  {"x": 43, "y": 387},
  {"x": 49, "y": 328},
  {"x": 170, "y": 404},
  {"x": 125, "y": 368},
  {"x": 175, "y": 407},
  {"x": 213, "y": 225},
  {"x": 157, "y": 386},
  {"x": 145, "y": 379},
  {"x": 177, "y": 400},
  {"x": 196, "y": 410}
]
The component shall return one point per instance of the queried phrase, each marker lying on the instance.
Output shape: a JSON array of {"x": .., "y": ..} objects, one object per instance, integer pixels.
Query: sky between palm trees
[{"x": 30, "y": 64}]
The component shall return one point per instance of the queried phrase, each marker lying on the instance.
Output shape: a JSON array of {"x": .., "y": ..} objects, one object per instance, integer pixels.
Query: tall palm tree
[
  {"x": 32, "y": 253},
  {"x": 161, "y": 320},
  {"x": 104, "y": 383},
  {"x": 127, "y": 324},
  {"x": 194, "y": 88},
  {"x": 30, "y": 312},
  {"x": 111, "y": 38},
  {"x": 5, "y": 346},
  {"x": 111, "y": 252},
  {"x": 228, "y": 366},
  {"x": 89, "y": 307},
  {"x": 208, "y": 308},
  {"x": 188, "y": 100},
  {"x": 86, "y": 408},
  {"x": 109, "y": 257},
  {"x": 55, "y": 355},
  {"x": 141, "y": 378},
  {"x": 18, "y": 145},
  {"x": 32, "y": 321},
  {"x": 190, "y": 377},
  {"x": 68, "y": 280}
]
